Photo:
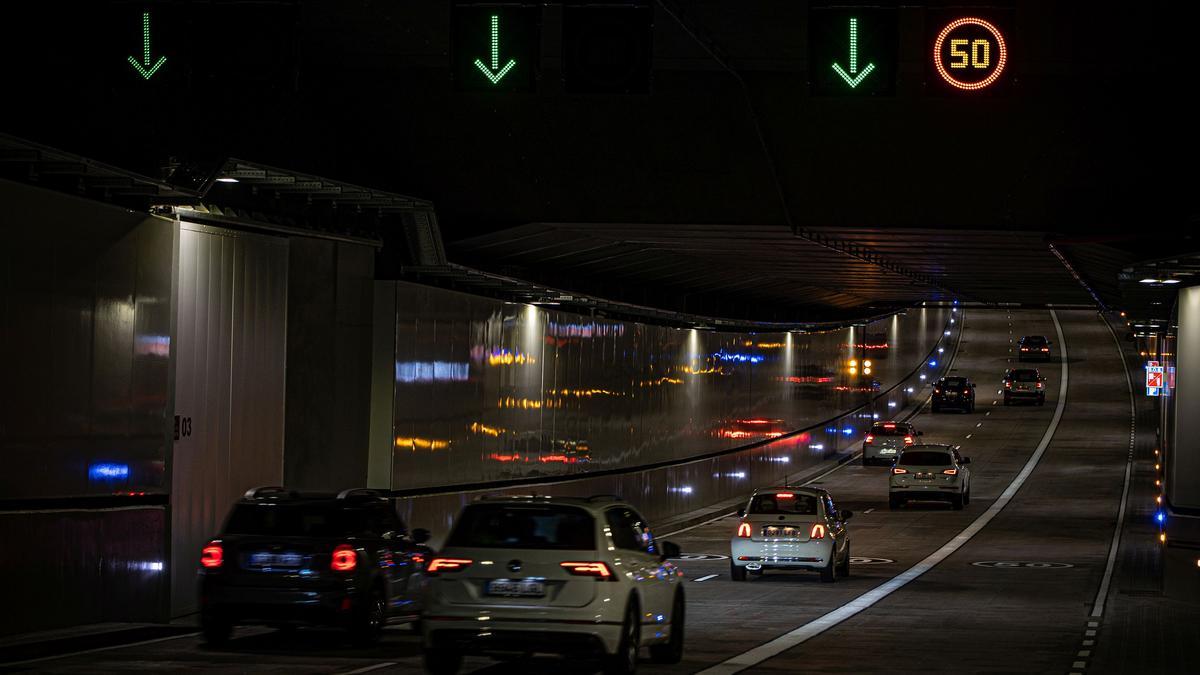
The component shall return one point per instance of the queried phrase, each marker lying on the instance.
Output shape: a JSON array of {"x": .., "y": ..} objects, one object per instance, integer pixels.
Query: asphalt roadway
[{"x": 1006, "y": 585}]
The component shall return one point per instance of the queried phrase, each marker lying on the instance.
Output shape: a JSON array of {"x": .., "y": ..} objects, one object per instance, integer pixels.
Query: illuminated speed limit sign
[{"x": 970, "y": 53}]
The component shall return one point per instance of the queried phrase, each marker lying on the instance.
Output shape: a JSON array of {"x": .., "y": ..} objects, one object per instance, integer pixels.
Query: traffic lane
[
  {"x": 727, "y": 618},
  {"x": 1011, "y": 618}
]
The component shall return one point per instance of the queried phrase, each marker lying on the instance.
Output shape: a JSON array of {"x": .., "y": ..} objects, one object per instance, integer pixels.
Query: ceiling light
[
  {"x": 227, "y": 179},
  {"x": 1170, "y": 281}
]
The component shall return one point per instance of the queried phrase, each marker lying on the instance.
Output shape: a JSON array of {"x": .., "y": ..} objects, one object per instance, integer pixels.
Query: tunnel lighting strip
[
  {"x": 1102, "y": 594},
  {"x": 821, "y": 624}
]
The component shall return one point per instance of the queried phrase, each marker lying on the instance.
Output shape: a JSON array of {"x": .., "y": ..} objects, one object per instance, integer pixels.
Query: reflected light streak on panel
[{"x": 432, "y": 371}]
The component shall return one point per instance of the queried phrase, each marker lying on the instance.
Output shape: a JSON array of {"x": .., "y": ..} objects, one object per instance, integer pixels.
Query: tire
[
  {"x": 843, "y": 568},
  {"x": 894, "y": 502},
  {"x": 957, "y": 502},
  {"x": 829, "y": 571},
  {"x": 216, "y": 629},
  {"x": 737, "y": 573},
  {"x": 672, "y": 651},
  {"x": 624, "y": 662},
  {"x": 1007, "y": 400},
  {"x": 971, "y": 408},
  {"x": 442, "y": 661},
  {"x": 367, "y": 625}
]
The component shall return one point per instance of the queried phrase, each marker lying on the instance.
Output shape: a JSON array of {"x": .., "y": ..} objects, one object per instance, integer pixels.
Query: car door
[
  {"x": 835, "y": 525},
  {"x": 654, "y": 578},
  {"x": 395, "y": 558},
  {"x": 962, "y": 469}
]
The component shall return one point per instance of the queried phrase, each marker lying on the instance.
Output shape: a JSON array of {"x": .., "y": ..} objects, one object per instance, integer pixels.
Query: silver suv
[
  {"x": 885, "y": 440},
  {"x": 579, "y": 577},
  {"x": 934, "y": 472}
]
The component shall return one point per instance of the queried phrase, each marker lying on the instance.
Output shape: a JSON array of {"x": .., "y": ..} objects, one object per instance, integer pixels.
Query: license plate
[
  {"x": 952, "y": 395},
  {"x": 283, "y": 560},
  {"x": 517, "y": 588},
  {"x": 786, "y": 531},
  {"x": 924, "y": 476}
]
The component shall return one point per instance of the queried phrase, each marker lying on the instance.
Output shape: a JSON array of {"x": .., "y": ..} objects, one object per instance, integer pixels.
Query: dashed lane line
[
  {"x": 868, "y": 511},
  {"x": 707, "y": 577},
  {"x": 863, "y": 602},
  {"x": 371, "y": 668}
]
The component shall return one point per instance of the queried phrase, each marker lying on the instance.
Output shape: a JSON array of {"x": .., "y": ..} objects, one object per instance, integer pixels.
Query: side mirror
[
  {"x": 741, "y": 512},
  {"x": 966, "y": 460},
  {"x": 420, "y": 535},
  {"x": 847, "y": 514},
  {"x": 668, "y": 550}
]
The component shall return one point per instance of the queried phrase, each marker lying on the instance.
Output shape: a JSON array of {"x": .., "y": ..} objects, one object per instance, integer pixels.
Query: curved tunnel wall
[{"x": 490, "y": 392}]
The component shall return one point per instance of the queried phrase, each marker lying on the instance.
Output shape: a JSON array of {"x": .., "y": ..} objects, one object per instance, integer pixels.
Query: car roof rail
[
  {"x": 606, "y": 498},
  {"x": 359, "y": 492},
  {"x": 268, "y": 491}
]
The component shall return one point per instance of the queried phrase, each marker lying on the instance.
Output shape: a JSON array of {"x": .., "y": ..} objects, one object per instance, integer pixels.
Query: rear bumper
[
  {"x": 574, "y": 632},
  {"x": 956, "y": 402},
  {"x": 937, "y": 492},
  {"x": 1030, "y": 395},
  {"x": 246, "y": 604},
  {"x": 813, "y": 554}
]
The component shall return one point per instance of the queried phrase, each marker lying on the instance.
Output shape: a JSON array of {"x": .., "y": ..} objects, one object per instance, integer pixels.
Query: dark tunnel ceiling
[{"x": 962, "y": 194}]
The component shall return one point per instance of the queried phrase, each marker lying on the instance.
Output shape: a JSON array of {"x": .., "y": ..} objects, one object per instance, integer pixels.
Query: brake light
[
  {"x": 908, "y": 440},
  {"x": 869, "y": 439},
  {"x": 937, "y": 390},
  {"x": 212, "y": 556},
  {"x": 784, "y": 495},
  {"x": 1041, "y": 385},
  {"x": 1007, "y": 384},
  {"x": 1024, "y": 349},
  {"x": 447, "y": 565},
  {"x": 889, "y": 425},
  {"x": 587, "y": 569},
  {"x": 951, "y": 472},
  {"x": 418, "y": 558},
  {"x": 817, "y": 531},
  {"x": 966, "y": 391},
  {"x": 1045, "y": 349},
  {"x": 744, "y": 531},
  {"x": 899, "y": 471},
  {"x": 345, "y": 559}
]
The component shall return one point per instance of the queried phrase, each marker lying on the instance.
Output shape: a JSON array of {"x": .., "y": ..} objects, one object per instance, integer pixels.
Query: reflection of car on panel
[
  {"x": 568, "y": 451},
  {"x": 285, "y": 558},
  {"x": 580, "y": 577},
  {"x": 1033, "y": 347},
  {"x": 875, "y": 345},
  {"x": 930, "y": 471},
  {"x": 1024, "y": 384},
  {"x": 791, "y": 529},
  {"x": 953, "y": 392},
  {"x": 885, "y": 440},
  {"x": 752, "y": 428}
]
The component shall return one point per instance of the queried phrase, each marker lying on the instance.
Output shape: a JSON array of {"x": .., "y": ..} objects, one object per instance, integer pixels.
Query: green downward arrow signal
[
  {"x": 851, "y": 78},
  {"x": 495, "y": 73},
  {"x": 144, "y": 68}
]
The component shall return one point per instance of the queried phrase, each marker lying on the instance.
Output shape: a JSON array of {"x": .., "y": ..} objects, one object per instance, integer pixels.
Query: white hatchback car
[
  {"x": 579, "y": 577},
  {"x": 791, "y": 528}
]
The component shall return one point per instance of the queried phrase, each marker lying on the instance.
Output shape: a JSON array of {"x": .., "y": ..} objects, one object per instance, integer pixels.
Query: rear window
[
  {"x": 924, "y": 458},
  {"x": 520, "y": 526},
  {"x": 955, "y": 381},
  {"x": 784, "y": 503},
  {"x": 1035, "y": 340},
  {"x": 890, "y": 430},
  {"x": 292, "y": 520},
  {"x": 1025, "y": 375}
]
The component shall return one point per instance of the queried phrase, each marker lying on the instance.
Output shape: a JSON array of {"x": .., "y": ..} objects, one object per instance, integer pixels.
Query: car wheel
[
  {"x": 828, "y": 571},
  {"x": 442, "y": 661},
  {"x": 737, "y": 573},
  {"x": 672, "y": 651},
  {"x": 893, "y": 503},
  {"x": 1007, "y": 400},
  {"x": 367, "y": 626},
  {"x": 971, "y": 408},
  {"x": 624, "y": 661},
  {"x": 957, "y": 502},
  {"x": 843, "y": 568},
  {"x": 216, "y": 629}
]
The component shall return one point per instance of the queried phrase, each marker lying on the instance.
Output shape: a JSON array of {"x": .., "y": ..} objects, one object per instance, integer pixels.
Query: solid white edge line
[
  {"x": 97, "y": 649},
  {"x": 368, "y": 669},
  {"x": 1102, "y": 594},
  {"x": 823, "y": 623},
  {"x": 707, "y": 577}
]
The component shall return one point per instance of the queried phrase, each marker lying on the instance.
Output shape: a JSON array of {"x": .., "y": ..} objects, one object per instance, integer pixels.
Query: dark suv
[
  {"x": 1033, "y": 347},
  {"x": 1024, "y": 384},
  {"x": 953, "y": 392},
  {"x": 285, "y": 558}
]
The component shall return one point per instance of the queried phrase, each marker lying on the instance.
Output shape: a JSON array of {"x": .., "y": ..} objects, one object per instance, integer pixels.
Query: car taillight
[
  {"x": 899, "y": 471},
  {"x": 212, "y": 556},
  {"x": 344, "y": 559},
  {"x": 418, "y": 558},
  {"x": 1024, "y": 349},
  {"x": 1045, "y": 349},
  {"x": 936, "y": 390},
  {"x": 951, "y": 472},
  {"x": 1041, "y": 385},
  {"x": 1007, "y": 384},
  {"x": 588, "y": 569},
  {"x": 869, "y": 439},
  {"x": 744, "y": 531},
  {"x": 817, "y": 531},
  {"x": 908, "y": 440},
  {"x": 966, "y": 391},
  {"x": 447, "y": 565}
]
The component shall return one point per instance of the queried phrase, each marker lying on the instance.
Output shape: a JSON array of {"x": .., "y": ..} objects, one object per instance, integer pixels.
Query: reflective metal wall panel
[
  {"x": 490, "y": 391},
  {"x": 229, "y": 385}
]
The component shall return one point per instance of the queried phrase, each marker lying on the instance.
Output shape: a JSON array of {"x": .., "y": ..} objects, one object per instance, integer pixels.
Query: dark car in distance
[
  {"x": 953, "y": 392},
  {"x": 1033, "y": 348},
  {"x": 284, "y": 558},
  {"x": 1024, "y": 384}
]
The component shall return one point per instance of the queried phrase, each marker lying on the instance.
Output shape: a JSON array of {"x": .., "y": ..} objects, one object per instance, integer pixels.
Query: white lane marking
[
  {"x": 707, "y": 577},
  {"x": 692, "y": 527},
  {"x": 979, "y": 425},
  {"x": 98, "y": 649},
  {"x": 868, "y": 511},
  {"x": 1102, "y": 594},
  {"x": 988, "y": 412},
  {"x": 1084, "y": 652},
  {"x": 1089, "y": 633},
  {"x": 1093, "y": 624},
  {"x": 970, "y": 435},
  {"x": 823, "y": 623},
  {"x": 368, "y": 669},
  {"x": 1079, "y": 664},
  {"x": 1089, "y": 643}
]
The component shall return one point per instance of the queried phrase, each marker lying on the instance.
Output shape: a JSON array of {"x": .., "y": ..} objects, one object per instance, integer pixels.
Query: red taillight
[
  {"x": 897, "y": 471},
  {"x": 1041, "y": 385},
  {"x": 212, "y": 556},
  {"x": 817, "y": 531},
  {"x": 345, "y": 559},
  {"x": 744, "y": 531},
  {"x": 966, "y": 391},
  {"x": 869, "y": 439},
  {"x": 587, "y": 569},
  {"x": 447, "y": 565},
  {"x": 1007, "y": 384},
  {"x": 1045, "y": 349},
  {"x": 908, "y": 440},
  {"x": 784, "y": 495},
  {"x": 889, "y": 425},
  {"x": 1024, "y": 349},
  {"x": 951, "y": 472},
  {"x": 936, "y": 390},
  {"x": 418, "y": 558}
]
